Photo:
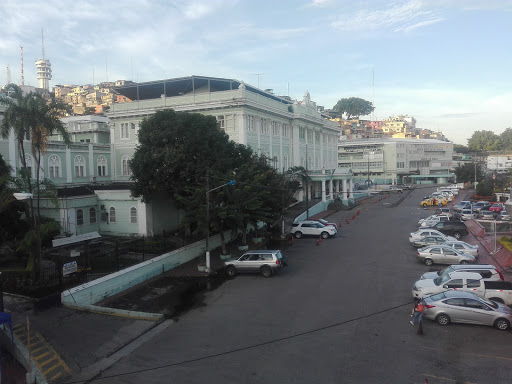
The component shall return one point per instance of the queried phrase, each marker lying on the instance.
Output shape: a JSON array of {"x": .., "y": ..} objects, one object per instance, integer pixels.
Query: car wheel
[
  {"x": 231, "y": 271},
  {"x": 429, "y": 262},
  {"x": 502, "y": 324},
  {"x": 424, "y": 205},
  {"x": 324, "y": 235},
  {"x": 298, "y": 235},
  {"x": 443, "y": 319},
  {"x": 464, "y": 262},
  {"x": 266, "y": 271},
  {"x": 457, "y": 235}
]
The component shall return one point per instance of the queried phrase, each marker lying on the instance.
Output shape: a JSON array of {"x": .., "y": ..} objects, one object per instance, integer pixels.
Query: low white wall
[{"x": 107, "y": 286}]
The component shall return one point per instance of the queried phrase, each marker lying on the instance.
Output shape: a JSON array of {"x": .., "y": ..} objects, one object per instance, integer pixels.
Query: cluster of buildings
[{"x": 93, "y": 173}]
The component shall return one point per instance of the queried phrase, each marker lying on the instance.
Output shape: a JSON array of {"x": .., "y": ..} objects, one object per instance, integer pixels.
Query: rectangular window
[
  {"x": 102, "y": 170},
  {"x": 222, "y": 122},
  {"x": 302, "y": 133},
  {"x": 285, "y": 130},
  {"x": 79, "y": 171},
  {"x": 275, "y": 128}
]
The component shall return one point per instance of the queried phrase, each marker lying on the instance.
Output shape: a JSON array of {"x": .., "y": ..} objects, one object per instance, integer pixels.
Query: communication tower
[{"x": 44, "y": 69}]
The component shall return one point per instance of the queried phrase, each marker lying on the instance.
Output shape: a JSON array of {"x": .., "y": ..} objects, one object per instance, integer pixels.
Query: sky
[{"x": 447, "y": 63}]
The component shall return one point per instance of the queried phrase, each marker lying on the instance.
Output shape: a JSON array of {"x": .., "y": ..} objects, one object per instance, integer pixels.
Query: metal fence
[{"x": 72, "y": 265}]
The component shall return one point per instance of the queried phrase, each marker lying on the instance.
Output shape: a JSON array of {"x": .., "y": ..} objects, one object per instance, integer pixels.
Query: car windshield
[
  {"x": 441, "y": 279},
  {"x": 446, "y": 271}
]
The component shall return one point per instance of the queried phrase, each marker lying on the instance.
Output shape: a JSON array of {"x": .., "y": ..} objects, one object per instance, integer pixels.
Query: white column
[
  {"x": 350, "y": 189},
  {"x": 91, "y": 162},
  {"x": 69, "y": 176},
  {"x": 344, "y": 184},
  {"x": 242, "y": 129},
  {"x": 331, "y": 188},
  {"x": 142, "y": 218},
  {"x": 324, "y": 196},
  {"x": 295, "y": 155}
]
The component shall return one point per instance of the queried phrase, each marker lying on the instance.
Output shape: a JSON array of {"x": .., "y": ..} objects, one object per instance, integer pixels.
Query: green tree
[
  {"x": 460, "y": 148},
  {"x": 353, "y": 107},
  {"x": 484, "y": 140},
  {"x": 186, "y": 154},
  {"x": 466, "y": 172},
  {"x": 506, "y": 140}
]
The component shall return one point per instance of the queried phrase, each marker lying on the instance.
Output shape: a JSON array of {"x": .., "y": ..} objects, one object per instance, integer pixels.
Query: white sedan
[{"x": 414, "y": 236}]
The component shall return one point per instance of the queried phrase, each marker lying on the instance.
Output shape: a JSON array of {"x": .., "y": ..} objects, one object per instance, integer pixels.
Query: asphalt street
[{"x": 338, "y": 314}]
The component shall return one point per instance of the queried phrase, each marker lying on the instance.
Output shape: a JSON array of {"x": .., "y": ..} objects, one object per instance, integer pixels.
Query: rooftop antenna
[
  {"x": 8, "y": 74},
  {"x": 257, "y": 74},
  {"x": 42, "y": 42},
  {"x": 22, "y": 74}
]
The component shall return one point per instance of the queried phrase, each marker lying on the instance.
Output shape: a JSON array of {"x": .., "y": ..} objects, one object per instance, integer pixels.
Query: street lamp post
[{"x": 207, "y": 266}]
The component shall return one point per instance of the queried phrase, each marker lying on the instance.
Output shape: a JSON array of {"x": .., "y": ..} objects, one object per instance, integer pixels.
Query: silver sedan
[
  {"x": 465, "y": 307},
  {"x": 429, "y": 240},
  {"x": 463, "y": 247},
  {"x": 442, "y": 254}
]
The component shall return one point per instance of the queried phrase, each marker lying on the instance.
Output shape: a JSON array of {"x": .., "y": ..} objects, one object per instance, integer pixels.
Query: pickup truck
[
  {"x": 500, "y": 291},
  {"x": 394, "y": 189}
]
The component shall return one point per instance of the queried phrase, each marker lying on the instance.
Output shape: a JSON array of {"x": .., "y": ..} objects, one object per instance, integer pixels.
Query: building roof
[
  {"x": 187, "y": 85},
  {"x": 392, "y": 140}
]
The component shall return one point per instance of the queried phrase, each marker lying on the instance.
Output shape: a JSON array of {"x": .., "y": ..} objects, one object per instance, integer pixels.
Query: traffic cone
[
  {"x": 318, "y": 241},
  {"x": 420, "y": 329},
  {"x": 293, "y": 240},
  {"x": 353, "y": 217},
  {"x": 358, "y": 211},
  {"x": 348, "y": 222}
]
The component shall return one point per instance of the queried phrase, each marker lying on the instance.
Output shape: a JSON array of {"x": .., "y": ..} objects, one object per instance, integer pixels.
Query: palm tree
[{"x": 32, "y": 118}]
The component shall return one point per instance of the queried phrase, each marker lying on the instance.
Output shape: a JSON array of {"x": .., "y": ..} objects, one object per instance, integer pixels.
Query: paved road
[{"x": 338, "y": 314}]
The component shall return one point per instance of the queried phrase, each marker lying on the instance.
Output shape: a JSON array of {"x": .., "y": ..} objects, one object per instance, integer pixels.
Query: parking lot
[{"x": 338, "y": 313}]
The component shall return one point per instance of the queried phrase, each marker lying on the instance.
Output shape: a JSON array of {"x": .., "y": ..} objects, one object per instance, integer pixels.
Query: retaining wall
[{"x": 107, "y": 286}]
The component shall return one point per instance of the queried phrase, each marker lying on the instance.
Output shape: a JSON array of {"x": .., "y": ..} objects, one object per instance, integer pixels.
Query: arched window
[
  {"x": 133, "y": 215},
  {"x": 102, "y": 166},
  {"x": 92, "y": 215},
  {"x": 30, "y": 165},
  {"x": 125, "y": 166},
  {"x": 112, "y": 215},
  {"x": 79, "y": 166},
  {"x": 54, "y": 166},
  {"x": 79, "y": 217}
]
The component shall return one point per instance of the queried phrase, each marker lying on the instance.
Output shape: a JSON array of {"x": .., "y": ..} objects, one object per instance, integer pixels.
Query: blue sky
[{"x": 446, "y": 62}]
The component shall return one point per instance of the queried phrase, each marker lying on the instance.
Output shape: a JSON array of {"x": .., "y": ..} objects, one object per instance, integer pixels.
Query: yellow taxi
[{"x": 430, "y": 202}]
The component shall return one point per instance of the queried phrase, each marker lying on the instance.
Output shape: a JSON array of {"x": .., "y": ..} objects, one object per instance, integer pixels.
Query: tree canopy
[
  {"x": 185, "y": 154},
  {"x": 353, "y": 107},
  {"x": 489, "y": 141}
]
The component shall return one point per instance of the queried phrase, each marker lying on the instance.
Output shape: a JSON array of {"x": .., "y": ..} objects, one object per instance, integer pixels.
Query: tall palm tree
[{"x": 32, "y": 118}]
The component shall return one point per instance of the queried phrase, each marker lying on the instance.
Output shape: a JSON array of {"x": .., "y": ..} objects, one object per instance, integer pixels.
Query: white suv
[{"x": 312, "y": 228}]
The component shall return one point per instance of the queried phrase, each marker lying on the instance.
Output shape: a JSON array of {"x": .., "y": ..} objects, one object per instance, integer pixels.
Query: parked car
[
  {"x": 445, "y": 211},
  {"x": 487, "y": 271},
  {"x": 505, "y": 216},
  {"x": 404, "y": 186},
  {"x": 433, "y": 220},
  {"x": 465, "y": 307},
  {"x": 430, "y": 202},
  {"x": 312, "y": 228},
  {"x": 442, "y": 254},
  {"x": 266, "y": 262},
  {"x": 463, "y": 247},
  {"x": 498, "y": 207},
  {"x": 453, "y": 228},
  {"x": 325, "y": 222},
  {"x": 465, "y": 214},
  {"x": 394, "y": 189},
  {"x": 430, "y": 240},
  {"x": 488, "y": 215},
  {"x": 481, "y": 205},
  {"x": 415, "y": 236},
  {"x": 464, "y": 204}
]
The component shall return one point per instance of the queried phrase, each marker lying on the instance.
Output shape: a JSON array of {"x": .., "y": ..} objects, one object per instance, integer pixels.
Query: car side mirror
[{"x": 445, "y": 286}]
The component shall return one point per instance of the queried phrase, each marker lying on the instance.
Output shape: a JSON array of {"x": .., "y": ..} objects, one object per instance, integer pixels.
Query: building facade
[{"x": 391, "y": 161}]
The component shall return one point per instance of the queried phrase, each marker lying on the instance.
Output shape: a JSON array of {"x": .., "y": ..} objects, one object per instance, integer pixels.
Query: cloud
[
  {"x": 319, "y": 3},
  {"x": 398, "y": 17},
  {"x": 459, "y": 115}
]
